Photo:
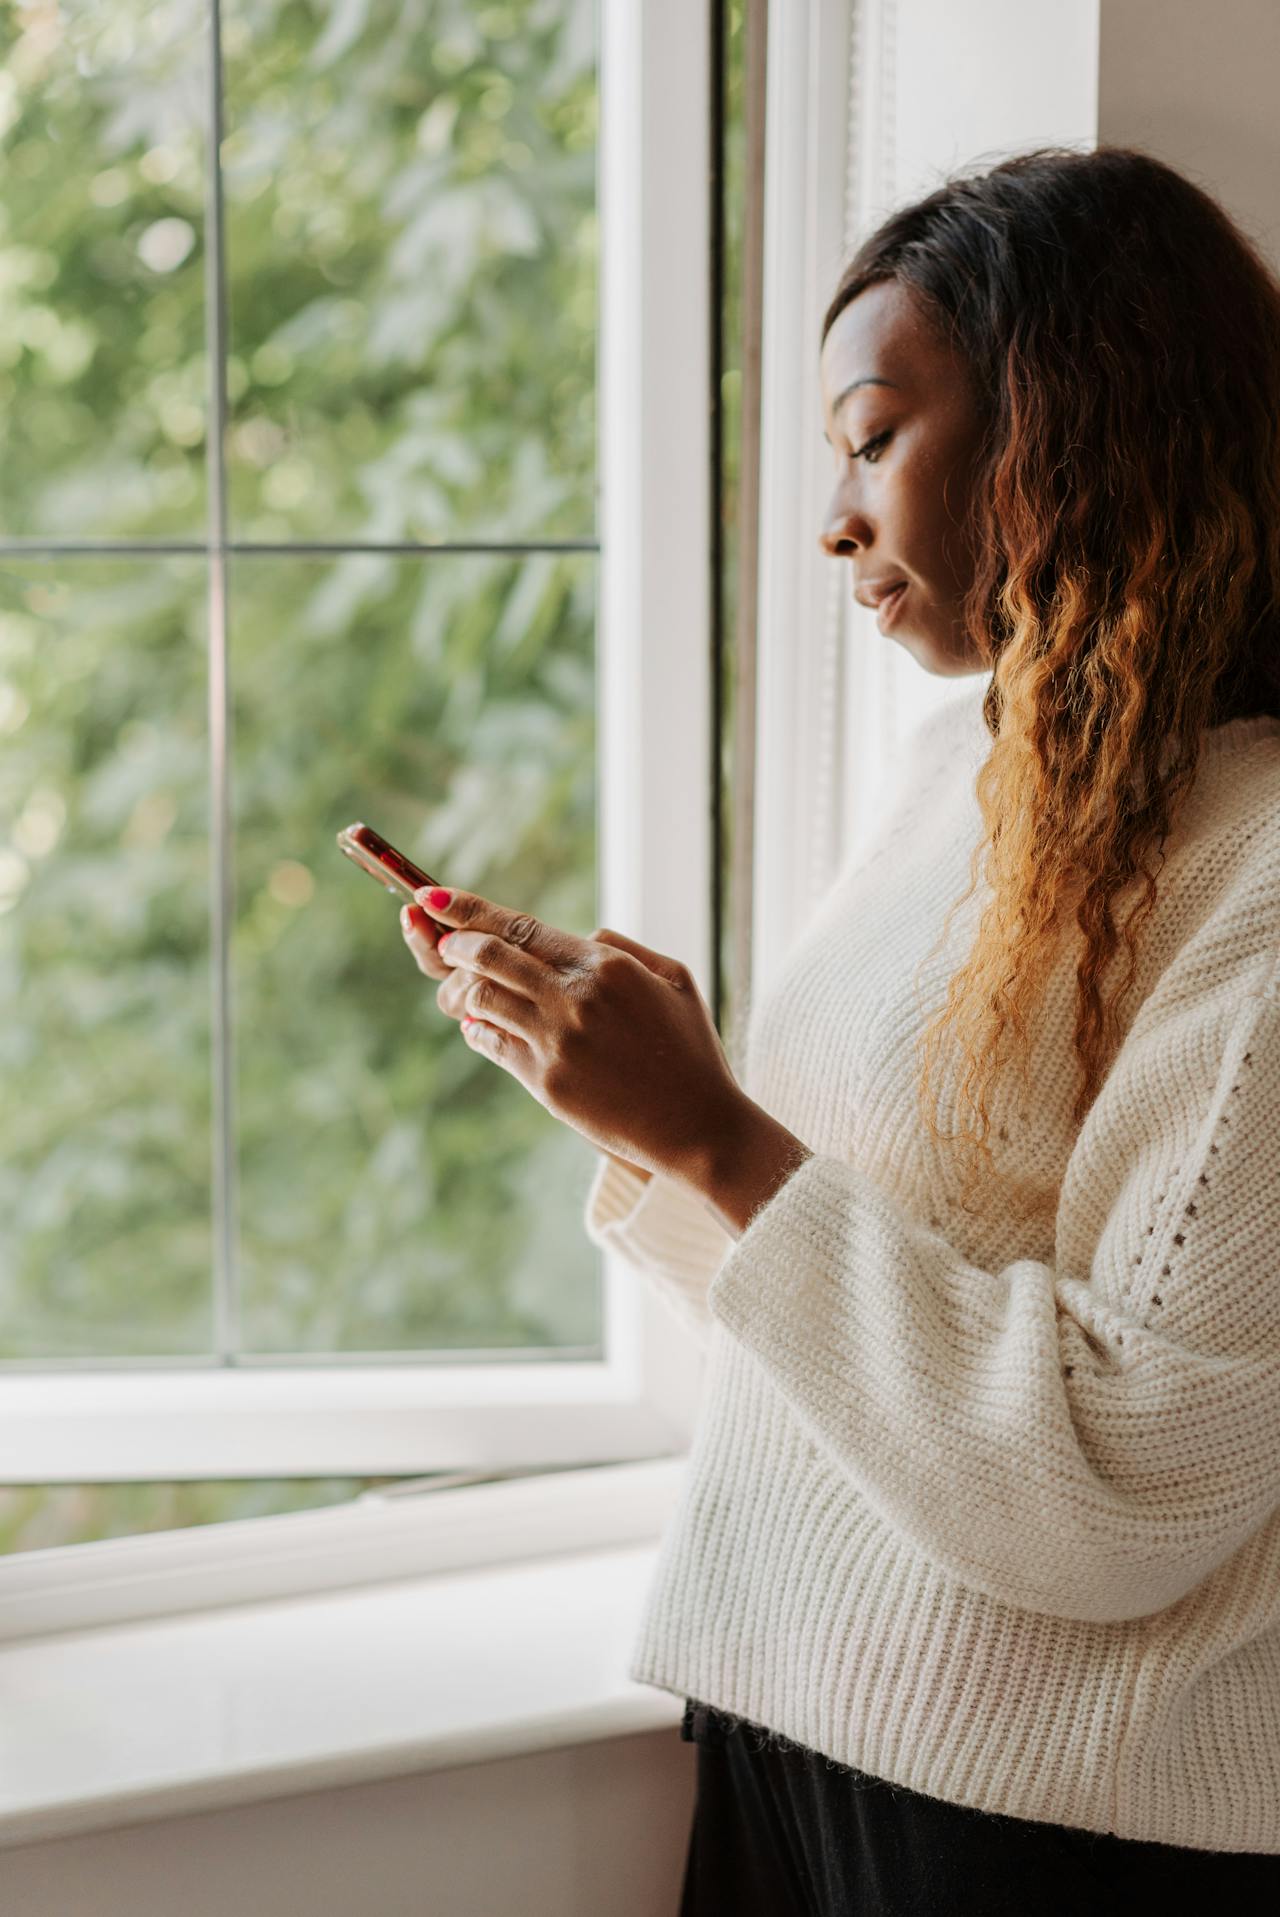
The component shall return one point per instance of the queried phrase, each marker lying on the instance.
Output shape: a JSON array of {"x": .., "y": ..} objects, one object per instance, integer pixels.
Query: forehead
[{"x": 883, "y": 332}]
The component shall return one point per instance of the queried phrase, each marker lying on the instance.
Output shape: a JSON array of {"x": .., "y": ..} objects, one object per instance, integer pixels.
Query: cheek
[
  {"x": 913, "y": 513},
  {"x": 937, "y": 518}
]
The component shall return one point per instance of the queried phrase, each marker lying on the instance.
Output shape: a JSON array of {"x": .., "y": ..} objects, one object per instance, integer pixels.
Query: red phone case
[{"x": 382, "y": 861}]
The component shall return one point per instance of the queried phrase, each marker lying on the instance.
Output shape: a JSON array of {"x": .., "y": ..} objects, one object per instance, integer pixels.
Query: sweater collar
[{"x": 1236, "y": 734}]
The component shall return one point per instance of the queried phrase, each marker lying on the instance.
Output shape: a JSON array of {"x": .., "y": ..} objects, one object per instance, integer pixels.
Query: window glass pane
[
  {"x": 39, "y": 1517},
  {"x": 411, "y": 256},
  {"x": 102, "y": 362},
  {"x": 397, "y": 1189},
  {"x": 104, "y": 958}
]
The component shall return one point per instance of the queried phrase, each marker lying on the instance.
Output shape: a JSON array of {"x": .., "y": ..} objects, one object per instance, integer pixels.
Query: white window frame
[
  {"x": 655, "y": 770},
  {"x": 870, "y": 104},
  {"x": 833, "y": 699}
]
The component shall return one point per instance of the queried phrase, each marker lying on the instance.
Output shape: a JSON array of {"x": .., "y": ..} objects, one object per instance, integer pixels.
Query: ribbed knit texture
[{"x": 989, "y": 1505}]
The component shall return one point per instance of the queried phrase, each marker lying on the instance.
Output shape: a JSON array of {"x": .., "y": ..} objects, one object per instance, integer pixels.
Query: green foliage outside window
[{"x": 409, "y": 194}]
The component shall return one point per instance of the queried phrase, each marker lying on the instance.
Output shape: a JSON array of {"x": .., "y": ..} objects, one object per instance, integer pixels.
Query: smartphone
[{"x": 380, "y": 859}]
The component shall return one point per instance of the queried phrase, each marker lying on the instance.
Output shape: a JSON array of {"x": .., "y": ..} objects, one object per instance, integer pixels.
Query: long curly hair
[{"x": 1123, "y": 338}]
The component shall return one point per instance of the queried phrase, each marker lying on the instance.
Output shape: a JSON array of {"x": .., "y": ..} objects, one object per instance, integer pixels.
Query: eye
[
  {"x": 873, "y": 446},
  {"x": 871, "y": 450}
]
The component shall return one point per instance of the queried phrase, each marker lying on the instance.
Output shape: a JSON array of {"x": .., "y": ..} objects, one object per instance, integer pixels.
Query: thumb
[{"x": 666, "y": 968}]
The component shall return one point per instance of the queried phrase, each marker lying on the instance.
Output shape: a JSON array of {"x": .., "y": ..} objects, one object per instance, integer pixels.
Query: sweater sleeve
[
  {"x": 663, "y": 1230},
  {"x": 660, "y": 1227},
  {"x": 1089, "y": 1438}
]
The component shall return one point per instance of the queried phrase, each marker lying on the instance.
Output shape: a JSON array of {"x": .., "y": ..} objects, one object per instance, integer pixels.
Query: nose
[
  {"x": 839, "y": 545},
  {"x": 845, "y": 529}
]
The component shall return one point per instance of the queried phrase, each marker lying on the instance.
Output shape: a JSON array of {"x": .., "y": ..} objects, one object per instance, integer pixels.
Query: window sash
[
  {"x": 656, "y": 765},
  {"x": 377, "y": 1538}
]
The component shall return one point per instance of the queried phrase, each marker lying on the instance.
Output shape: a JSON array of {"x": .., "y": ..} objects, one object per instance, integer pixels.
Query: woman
[{"x": 973, "y": 1589}]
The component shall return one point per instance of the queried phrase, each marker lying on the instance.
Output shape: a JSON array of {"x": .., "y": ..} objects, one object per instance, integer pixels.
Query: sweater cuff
[
  {"x": 664, "y": 1230},
  {"x": 770, "y": 1269}
]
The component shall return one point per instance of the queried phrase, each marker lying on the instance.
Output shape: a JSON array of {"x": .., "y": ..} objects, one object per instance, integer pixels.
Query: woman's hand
[
  {"x": 611, "y": 1037},
  {"x": 421, "y": 934}
]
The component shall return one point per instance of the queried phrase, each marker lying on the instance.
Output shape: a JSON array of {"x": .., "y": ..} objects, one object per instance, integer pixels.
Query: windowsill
[
  {"x": 134, "y": 1722},
  {"x": 382, "y": 1537}
]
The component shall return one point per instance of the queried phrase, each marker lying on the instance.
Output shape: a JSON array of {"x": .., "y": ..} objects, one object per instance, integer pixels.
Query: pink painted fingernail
[{"x": 438, "y": 897}]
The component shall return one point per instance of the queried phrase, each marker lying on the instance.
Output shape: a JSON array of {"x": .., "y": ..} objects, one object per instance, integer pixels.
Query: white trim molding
[
  {"x": 806, "y": 119},
  {"x": 380, "y": 1538},
  {"x": 870, "y": 104}
]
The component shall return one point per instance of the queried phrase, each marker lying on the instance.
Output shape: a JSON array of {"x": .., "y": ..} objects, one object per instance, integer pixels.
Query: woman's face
[{"x": 905, "y": 441}]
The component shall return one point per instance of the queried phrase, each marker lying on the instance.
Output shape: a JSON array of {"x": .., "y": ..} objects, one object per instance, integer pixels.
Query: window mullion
[{"x": 226, "y": 1332}]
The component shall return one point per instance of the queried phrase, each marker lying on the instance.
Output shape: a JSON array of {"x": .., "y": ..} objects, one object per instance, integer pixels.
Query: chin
[
  {"x": 926, "y": 654},
  {"x": 943, "y": 661}
]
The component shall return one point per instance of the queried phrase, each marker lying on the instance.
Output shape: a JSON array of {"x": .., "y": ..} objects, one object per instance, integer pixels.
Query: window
[{"x": 353, "y": 383}]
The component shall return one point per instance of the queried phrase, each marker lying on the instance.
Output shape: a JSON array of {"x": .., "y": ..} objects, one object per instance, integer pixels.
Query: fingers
[
  {"x": 658, "y": 962},
  {"x": 420, "y": 934},
  {"x": 527, "y": 944}
]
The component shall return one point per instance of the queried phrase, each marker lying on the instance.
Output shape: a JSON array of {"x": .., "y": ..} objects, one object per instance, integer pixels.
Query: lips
[{"x": 873, "y": 592}]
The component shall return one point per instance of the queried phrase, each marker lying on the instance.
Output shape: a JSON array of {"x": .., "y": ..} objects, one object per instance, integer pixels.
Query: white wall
[
  {"x": 979, "y": 79},
  {"x": 1197, "y": 84},
  {"x": 598, "y": 1830}
]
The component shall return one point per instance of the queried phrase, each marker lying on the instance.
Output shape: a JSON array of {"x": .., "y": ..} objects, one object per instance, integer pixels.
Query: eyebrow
[{"x": 871, "y": 379}]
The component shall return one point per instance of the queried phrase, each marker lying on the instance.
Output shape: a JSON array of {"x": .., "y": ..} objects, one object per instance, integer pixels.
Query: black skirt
[{"x": 783, "y": 1831}]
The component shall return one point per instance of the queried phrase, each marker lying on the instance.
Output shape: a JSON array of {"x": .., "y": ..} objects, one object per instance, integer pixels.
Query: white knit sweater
[{"x": 989, "y": 1505}]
